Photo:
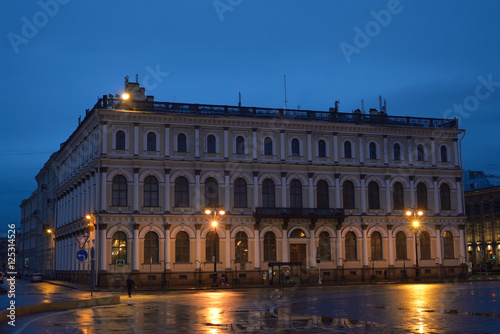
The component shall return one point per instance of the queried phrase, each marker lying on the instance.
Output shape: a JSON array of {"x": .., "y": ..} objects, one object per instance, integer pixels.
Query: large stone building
[
  {"x": 482, "y": 206},
  {"x": 296, "y": 185}
]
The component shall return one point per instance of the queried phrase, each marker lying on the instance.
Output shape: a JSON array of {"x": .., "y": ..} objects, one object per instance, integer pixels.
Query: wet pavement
[{"x": 470, "y": 307}]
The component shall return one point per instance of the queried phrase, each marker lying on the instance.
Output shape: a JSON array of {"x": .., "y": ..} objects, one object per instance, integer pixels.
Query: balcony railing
[
  {"x": 297, "y": 213},
  {"x": 307, "y": 115}
]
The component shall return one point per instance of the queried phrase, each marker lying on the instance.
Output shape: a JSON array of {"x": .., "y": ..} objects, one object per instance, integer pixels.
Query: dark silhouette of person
[{"x": 130, "y": 285}]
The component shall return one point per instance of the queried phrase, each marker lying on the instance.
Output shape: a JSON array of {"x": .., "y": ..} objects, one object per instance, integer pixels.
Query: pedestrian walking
[{"x": 130, "y": 285}]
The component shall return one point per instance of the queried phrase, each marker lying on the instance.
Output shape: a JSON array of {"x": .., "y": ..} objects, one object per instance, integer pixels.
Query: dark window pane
[
  {"x": 268, "y": 146},
  {"x": 295, "y": 147},
  {"x": 181, "y": 191},
  {"x": 212, "y": 242},
  {"x": 268, "y": 194},
  {"x": 150, "y": 191},
  {"x": 120, "y": 140},
  {"x": 401, "y": 246},
  {"x": 211, "y": 144},
  {"x": 211, "y": 193},
  {"x": 422, "y": 196},
  {"x": 397, "y": 152},
  {"x": 425, "y": 245},
  {"x": 240, "y": 145},
  {"x": 322, "y": 195},
  {"x": 348, "y": 195},
  {"x": 444, "y": 194},
  {"x": 296, "y": 194},
  {"x": 151, "y": 141},
  {"x": 181, "y": 143},
  {"x": 448, "y": 248},
  {"x": 240, "y": 193},
  {"x": 347, "y": 150},
  {"x": 325, "y": 252},
  {"x": 241, "y": 248},
  {"x": 376, "y": 246},
  {"x": 119, "y": 191},
  {"x": 444, "y": 154},
  {"x": 322, "y": 149},
  {"x": 350, "y": 246},
  {"x": 373, "y": 196},
  {"x": 398, "y": 196},
  {"x": 373, "y": 151},
  {"x": 420, "y": 153},
  {"x": 269, "y": 246},
  {"x": 151, "y": 247},
  {"x": 182, "y": 247}
]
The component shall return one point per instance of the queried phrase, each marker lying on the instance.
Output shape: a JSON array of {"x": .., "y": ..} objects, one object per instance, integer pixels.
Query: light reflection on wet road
[{"x": 421, "y": 308}]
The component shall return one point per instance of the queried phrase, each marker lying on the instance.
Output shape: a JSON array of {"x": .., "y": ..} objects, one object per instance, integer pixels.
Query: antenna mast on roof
[
  {"x": 286, "y": 101},
  {"x": 239, "y": 99}
]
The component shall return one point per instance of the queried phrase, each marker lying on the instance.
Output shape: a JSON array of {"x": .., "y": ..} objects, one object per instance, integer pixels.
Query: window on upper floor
[
  {"x": 397, "y": 152},
  {"x": 211, "y": 193},
  {"x": 444, "y": 154},
  {"x": 181, "y": 142},
  {"x": 398, "y": 199},
  {"x": 321, "y": 148},
  {"x": 347, "y": 150},
  {"x": 211, "y": 144},
  {"x": 151, "y": 191},
  {"x": 420, "y": 152},
  {"x": 322, "y": 195},
  {"x": 240, "y": 145},
  {"x": 151, "y": 141},
  {"x": 181, "y": 192},
  {"x": 268, "y": 194},
  {"x": 486, "y": 208},
  {"x": 422, "y": 196},
  {"x": 295, "y": 147},
  {"x": 240, "y": 193},
  {"x": 119, "y": 191},
  {"x": 120, "y": 140},
  {"x": 373, "y": 196},
  {"x": 348, "y": 195},
  {"x": 268, "y": 146},
  {"x": 373, "y": 150},
  {"x": 444, "y": 194},
  {"x": 295, "y": 194}
]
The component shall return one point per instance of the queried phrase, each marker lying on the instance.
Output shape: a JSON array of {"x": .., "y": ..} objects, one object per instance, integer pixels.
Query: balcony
[
  {"x": 270, "y": 113},
  {"x": 298, "y": 213}
]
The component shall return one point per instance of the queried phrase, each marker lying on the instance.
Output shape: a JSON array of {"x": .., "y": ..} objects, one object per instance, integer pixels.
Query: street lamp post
[
  {"x": 415, "y": 217},
  {"x": 214, "y": 225}
]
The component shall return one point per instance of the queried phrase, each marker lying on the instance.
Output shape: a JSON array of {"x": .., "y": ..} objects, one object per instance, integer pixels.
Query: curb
[{"x": 50, "y": 307}]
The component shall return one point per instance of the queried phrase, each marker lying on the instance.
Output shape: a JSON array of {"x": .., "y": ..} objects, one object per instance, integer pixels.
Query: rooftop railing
[
  {"x": 262, "y": 212},
  {"x": 270, "y": 113}
]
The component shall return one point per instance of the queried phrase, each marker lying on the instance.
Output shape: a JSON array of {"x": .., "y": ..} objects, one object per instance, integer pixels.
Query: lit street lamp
[
  {"x": 214, "y": 225},
  {"x": 414, "y": 217}
]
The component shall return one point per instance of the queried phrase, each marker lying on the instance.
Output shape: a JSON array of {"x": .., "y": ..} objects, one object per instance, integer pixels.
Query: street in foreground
[{"x": 409, "y": 308}]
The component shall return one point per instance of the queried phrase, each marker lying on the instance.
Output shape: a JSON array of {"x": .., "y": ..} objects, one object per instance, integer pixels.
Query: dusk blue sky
[{"x": 425, "y": 57}]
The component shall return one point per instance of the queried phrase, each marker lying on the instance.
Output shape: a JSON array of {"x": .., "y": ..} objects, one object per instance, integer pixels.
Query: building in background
[
  {"x": 296, "y": 186},
  {"x": 482, "y": 204},
  {"x": 35, "y": 241}
]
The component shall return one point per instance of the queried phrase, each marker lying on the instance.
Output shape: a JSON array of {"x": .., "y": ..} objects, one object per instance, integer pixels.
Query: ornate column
[
  {"x": 135, "y": 248},
  {"x": 339, "y": 246},
  {"x": 283, "y": 189},
  {"x": 337, "y": 190},
  {"x": 197, "y": 141},
  {"x": 433, "y": 152},
  {"x": 166, "y": 203},
  {"x": 197, "y": 195},
  {"x": 104, "y": 177},
  {"x": 409, "y": 149},
  {"x": 198, "y": 246},
  {"x": 254, "y": 144},
  {"x": 286, "y": 252},
  {"x": 436, "y": 194},
  {"x": 388, "y": 207},
  {"x": 390, "y": 246},
  {"x": 335, "y": 148},
  {"x": 311, "y": 190},
  {"x": 136, "y": 138},
  {"x": 167, "y": 140},
  {"x": 309, "y": 146},
  {"x": 136, "y": 190},
  {"x": 102, "y": 247},
  {"x": 455, "y": 146},
  {"x": 438, "y": 244},
  {"x": 166, "y": 246},
  {"x": 226, "y": 143},
  {"x": 362, "y": 194},
  {"x": 228, "y": 246},
  {"x": 461, "y": 229},
  {"x": 365, "y": 245},
  {"x": 386, "y": 151},
  {"x": 311, "y": 263},
  {"x": 104, "y": 137},
  {"x": 255, "y": 190},
  {"x": 361, "y": 148},
  {"x": 282, "y": 145},
  {"x": 460, "y": 206},
  {"x": 412, "y": 191},
  {"x": 257, "y": 245}
]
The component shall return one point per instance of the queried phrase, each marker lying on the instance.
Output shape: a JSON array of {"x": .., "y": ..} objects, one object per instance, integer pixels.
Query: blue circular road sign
[{"x": 82, "y": 255}]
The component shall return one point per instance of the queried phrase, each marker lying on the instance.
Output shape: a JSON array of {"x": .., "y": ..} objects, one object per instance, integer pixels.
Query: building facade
[
  {"x": 296, "y": 186},
  {"x": 483, "y": 227}
]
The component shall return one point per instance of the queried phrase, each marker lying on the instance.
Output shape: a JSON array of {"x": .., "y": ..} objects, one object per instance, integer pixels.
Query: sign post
[{"x": 92, "y": 269}]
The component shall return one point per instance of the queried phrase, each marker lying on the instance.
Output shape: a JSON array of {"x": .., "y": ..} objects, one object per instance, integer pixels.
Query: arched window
[
  {"x": 120, "y": 140},
  {"x": 295, "y": 194},
  {"x": 211, "y": 147},
  {"x": 373, "y": 150},
  {"x": 322, "y": 196},
  {"x": 397, "y": 152},
  {"x": 422, "y": 196},
  {"x": 348, "y": 195},
  {"x": 420, "y": 152},
  {"x": 240, "y": 193},
  {"x": 268, "y": 194},
  {"x": 240, "y": 145},
  {"x": 398, "y": 196},
  {"x": 268, "y": 146},
  {"x": 425, "y": 245},
  {"x": 181, "y": 143},
  {"x": 269, "y": 246},
  {"x": 151, "y": 141},
  {"x": 373, "y": 196},
  {"x": 151, "y": 247},
  {"x": 297, "y": 234},
  {"x": 444, "y": 194},
  {"x": 401, "y": 246},
  {"x": 181, "y": 192},
  {"x": 119, "y": 247},
  {"x": 350, "y": 246},
  {"x": 241, "y": 247},
  {"x": 321, "y": 148},
  {"x": 211, "y": 193},
  {"x": 150, "y": 191},
  {"x": 448, "y": 249},
  {"x": 211, "y": 242},
  {"x": 444, "y": 154},
  {"x": 182, "y": 247},
  {"x": 376, "y": 245},
  {"x": 119, "y": 190},
  {"x": 325, "y": 251},
  {"x": 295, "y": 147},
  {"x": 347, "y": 150}
]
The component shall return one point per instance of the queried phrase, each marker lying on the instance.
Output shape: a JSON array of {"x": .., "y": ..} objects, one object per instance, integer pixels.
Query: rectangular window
[
  {"x": 477, "y": 209},
  {"x": 486, "y": 208}
]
